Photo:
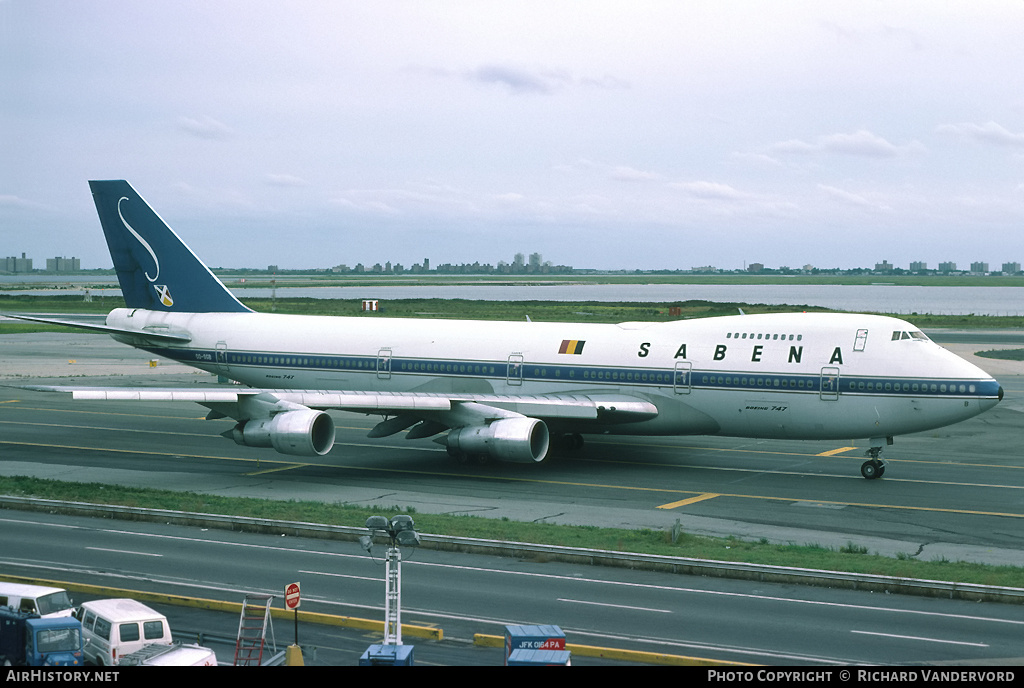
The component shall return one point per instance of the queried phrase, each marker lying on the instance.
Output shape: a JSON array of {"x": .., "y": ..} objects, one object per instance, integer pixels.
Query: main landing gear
[
  {"x": 572, "y": 441},
  {"x": 874, "y": 467}
]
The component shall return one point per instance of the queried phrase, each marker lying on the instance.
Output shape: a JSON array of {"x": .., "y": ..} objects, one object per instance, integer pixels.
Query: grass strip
[
  {"x": 851, "y": 557},
  {"x": 1003, "y": 354}
]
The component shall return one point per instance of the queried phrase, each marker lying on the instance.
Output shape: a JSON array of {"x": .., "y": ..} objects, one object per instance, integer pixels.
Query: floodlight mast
[
  {"x": 401, "y": 532},
  {"x": 393, "y": 597}
]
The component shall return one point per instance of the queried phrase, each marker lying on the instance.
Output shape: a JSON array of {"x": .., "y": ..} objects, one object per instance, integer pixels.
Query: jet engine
[
  {"x": 300, "y": 433},
  {"x": 514, "y": 440}
]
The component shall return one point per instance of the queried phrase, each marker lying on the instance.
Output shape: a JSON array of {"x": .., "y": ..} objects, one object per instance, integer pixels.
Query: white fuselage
[{"x": 799, "y": 375}]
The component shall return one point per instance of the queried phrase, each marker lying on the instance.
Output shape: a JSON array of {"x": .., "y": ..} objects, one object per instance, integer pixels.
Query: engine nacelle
[
  {"x": 300, "y": 433},
  {"x": 514, "y": 440}
]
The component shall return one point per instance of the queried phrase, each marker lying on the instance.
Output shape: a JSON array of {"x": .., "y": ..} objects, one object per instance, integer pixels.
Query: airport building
[
  {"x": 63, "y": 264},
  {"x": 15, "y": 264}
]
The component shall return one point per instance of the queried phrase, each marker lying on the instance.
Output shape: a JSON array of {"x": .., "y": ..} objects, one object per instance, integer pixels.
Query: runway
[
  {"x": 725, "y": 620},
  {"x": 956, "y": 493}
]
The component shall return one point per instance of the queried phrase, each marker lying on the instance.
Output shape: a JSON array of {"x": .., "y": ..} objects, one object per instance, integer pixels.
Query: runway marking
[
  {"x": 538, "y": 481},
  {"x": 833, "y": 452},
  {"x": 124, "y": 551},
  {"x": 374, "y": 579},
  {"x": 927, "y": 640},
  {"x": 691, "y": 500},
  {"x": 279, "y": 468},
  {"x": 616, "y": 606}
]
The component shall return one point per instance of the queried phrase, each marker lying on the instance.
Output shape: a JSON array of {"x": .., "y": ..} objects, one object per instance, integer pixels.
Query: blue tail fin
[{"x": 157, "y": 271}]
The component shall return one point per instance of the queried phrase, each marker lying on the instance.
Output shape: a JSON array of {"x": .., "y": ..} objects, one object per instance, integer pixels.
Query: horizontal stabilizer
[{"x": 158, "y": 335}]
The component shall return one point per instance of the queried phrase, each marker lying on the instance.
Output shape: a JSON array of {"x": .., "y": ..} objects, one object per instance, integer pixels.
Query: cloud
[
  {"x": 18, "y": 203},
  {"x": 517, "y": 80},
  {"x": 860, "y": 143},
  {"x": 205, "y": 127},
  {"x": 851, "y": 198},
  {"x": 286, "y": 180},
  {"x": 510, "y": 197},
  {"x": 520, "y": 80},
  {"x": 985, "y": 133},
  {"x": 709, "y": 191},
  {"x": 625, "y": 173}
]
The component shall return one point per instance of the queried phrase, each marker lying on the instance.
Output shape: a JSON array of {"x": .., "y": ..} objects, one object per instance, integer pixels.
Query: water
[{"x": 900, "y": 300}]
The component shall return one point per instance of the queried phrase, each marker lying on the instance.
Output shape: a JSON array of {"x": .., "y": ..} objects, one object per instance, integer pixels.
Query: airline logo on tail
[
  {"x": 165, "y": 294},
  {"x": 145, "y": 244},
  {"x": 152, "y": 262}
]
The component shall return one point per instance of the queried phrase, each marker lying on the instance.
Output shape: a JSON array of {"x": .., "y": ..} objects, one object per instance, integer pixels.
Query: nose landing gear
[{"x": 872, "y": 469}]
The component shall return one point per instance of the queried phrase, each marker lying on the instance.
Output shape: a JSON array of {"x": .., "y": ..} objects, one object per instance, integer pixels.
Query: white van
[
  {"x": 117, "y": 627},
  {"x": 45, "y": 601}
]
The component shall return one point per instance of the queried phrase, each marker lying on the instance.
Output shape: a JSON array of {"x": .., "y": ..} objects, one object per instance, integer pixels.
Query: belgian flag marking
[{"x": 571, "y": 346}]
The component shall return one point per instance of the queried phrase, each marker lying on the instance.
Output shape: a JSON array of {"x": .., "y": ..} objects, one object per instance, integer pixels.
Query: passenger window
[
  {"x": 129, "y": 632},
  {"x": 90, "y": 619},
  {"x": 153, "y": 630},
  {"x": 28, "y": 605}
]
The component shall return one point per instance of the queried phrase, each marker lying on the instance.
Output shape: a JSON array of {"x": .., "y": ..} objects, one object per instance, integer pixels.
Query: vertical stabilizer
[{"x": 157, "y": 271}]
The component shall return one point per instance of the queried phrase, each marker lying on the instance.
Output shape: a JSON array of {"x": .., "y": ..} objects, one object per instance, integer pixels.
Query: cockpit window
[{"x": 898, "y": 335}]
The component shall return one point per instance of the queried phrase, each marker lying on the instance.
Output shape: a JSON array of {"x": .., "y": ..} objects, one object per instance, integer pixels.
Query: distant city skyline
[{"x": 536, "y": 265}]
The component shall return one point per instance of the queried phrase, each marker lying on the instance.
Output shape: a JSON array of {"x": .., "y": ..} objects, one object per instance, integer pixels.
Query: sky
[{"x": 642, "y": 134}]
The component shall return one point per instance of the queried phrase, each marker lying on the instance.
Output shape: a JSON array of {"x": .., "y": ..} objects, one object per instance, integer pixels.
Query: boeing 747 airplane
[{"x": 507, "y": 390}]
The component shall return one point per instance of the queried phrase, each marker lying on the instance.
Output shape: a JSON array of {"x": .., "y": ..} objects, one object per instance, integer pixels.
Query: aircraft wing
[
  {"x": 505, "y": 427},
  {"x": 607, "y": 408}
]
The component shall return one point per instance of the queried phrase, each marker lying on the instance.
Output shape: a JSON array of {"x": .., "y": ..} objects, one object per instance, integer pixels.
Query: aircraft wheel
[
  {"x": 872, "y": 469},
  {"x": 458, "y": 455},
  {"x": 572, "y": 441}
]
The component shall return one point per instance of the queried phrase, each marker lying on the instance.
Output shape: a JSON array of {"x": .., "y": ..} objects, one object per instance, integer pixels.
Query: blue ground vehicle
[{"x": 28, "y": 640}]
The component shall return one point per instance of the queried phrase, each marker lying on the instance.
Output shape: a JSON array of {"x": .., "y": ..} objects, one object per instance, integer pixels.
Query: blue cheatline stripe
[{"x": 612, "y": 376}]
